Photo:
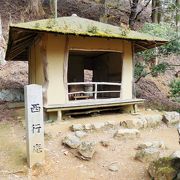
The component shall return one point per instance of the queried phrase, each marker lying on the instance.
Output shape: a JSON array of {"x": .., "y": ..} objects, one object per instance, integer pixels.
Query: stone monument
[{"x": 34, "y": 124}]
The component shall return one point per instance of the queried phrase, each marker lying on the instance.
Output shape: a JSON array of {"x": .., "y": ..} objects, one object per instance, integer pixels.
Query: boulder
[
  {"x": 171, "y": 117},
  {"x": 80, "y": 134},
  {"x": 162, "y": 169},
  {"x": 127, "y": 134},
  {"x": 87, "y": 150},
  {"x": 77, "y": 127},
  {"x": 147, "y": 155},
  {"x": 153, "y": 144},
  {"x": 72, "y": 141}
]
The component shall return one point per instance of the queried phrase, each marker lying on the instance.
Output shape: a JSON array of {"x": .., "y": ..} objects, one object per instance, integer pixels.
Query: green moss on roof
[{"x": 81, "y": 26}]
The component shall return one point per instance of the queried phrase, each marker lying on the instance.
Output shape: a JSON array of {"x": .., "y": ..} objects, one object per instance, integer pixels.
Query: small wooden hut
[{"x": 82, "y": 64}]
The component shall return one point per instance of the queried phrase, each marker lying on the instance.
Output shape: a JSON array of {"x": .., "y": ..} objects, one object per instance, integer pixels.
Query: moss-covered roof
[
  {"x": 81, "y": 26},
  {"x": 21, "y": 35}
]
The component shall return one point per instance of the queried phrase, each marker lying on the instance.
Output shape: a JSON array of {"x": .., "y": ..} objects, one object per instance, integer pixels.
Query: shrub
[
  {"x": 175, "y": 89},
  {"x": 165, "y": 31}
]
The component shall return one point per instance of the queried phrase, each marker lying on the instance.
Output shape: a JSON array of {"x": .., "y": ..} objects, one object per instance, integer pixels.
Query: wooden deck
[{"x": 88, "y": 104}]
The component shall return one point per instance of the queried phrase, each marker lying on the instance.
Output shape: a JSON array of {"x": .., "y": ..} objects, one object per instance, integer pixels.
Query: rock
[
  {"x": 80, "y": 134},
  {"x": 147, "y": 155},
  {"x": 98, "y": 126},
  {"x": 72, "y": 141},
  {"x": 171, "y": 117},
  {"x": 87, "y": 150},
  {"x": 153, "y": 144},
  {"x": 66, "y": 153},
  {"x": 153, "y": 120},
  {"x": 111, "y": 124},
  {"x": 77, "y": 127},
  {"x": 145, "y": 121},
  {"x": 113, "y": 167},
  {"x": 162, "y": 169},
  {"x": 88, "y": 127},
  {"x": 133, "y": 123},
  {"x": 105, "y": 143},
  {"x": 127, "y": 133},
  {"x": 175, "y": 155}
]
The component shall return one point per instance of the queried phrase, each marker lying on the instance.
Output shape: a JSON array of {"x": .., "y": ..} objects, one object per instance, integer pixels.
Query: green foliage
[
  {"x": 141, "y": 70},
  {"x": 165, "y": 31},
  {"x": 175, "y": 88},
  {"x": 159, "y": 69}
]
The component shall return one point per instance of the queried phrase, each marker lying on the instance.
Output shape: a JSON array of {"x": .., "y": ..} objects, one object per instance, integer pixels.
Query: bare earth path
[{"x": 68, "y": 167}]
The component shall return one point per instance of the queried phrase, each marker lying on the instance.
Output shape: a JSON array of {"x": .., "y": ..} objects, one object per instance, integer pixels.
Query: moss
[
  {"x": 166, "y": 170},
  {"x": 92, "y": 29},
  {"x": 82, "y": 26},
  {"x": 163, "y": 168}
]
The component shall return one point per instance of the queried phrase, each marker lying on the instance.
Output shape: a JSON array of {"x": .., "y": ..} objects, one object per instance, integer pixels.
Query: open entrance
[{"x": 94, "y": 75}]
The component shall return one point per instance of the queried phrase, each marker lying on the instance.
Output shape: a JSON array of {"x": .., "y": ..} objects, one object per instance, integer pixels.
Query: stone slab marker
[{"x": 34, "y": 124}]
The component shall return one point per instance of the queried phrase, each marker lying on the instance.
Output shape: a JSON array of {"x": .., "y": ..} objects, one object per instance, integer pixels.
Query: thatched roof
[{"x": 73, "y": 25}]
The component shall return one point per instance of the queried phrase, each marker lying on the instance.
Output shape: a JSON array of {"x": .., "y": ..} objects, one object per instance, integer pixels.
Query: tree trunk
[
  {"x": 159, "y": 10},
  {"x": 178, "y": 17},
  {"x": 35, "y": 8},
  {"x": 153, "y": 13},
  {"x": 133, "y": 13},
  {"x": 2, "y": 46}
]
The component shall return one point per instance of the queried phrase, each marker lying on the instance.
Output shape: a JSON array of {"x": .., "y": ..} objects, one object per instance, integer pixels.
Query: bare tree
[
  {"x": 135, "y": 12},
  {"x": 156, "y": 15},
  {"x": 35, "y": 8}
]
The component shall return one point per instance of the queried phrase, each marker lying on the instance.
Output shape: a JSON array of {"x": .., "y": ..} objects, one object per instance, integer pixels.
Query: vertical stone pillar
[{"x": 34, "y": 124}]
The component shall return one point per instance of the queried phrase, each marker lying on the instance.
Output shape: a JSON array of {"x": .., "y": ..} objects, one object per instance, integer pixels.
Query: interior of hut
[{"x": 94, "y": 74}]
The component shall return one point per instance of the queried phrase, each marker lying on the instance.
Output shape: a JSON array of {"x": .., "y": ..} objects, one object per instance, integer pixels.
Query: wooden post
[
  {"x": 34, "y": 124},
  {"x": 95, "y": 91}
]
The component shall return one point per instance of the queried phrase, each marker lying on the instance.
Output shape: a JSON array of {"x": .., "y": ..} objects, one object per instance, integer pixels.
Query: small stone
[
  {"x": 127, "y": 133},
  {"x": 88, "y": 127},
  {"x": 111, "y": 124},
  {"x": 98, "y": 125},
  {"x": 105, "y": 143},
  {"x": 72, "y": 141},
  {"x": 171, "y": 117},
  {"x": 153, "y": 144},
  {"x": 147, "y": 155},
  {"x": 87, "y": 150},
  {"x": 66, "y": 153},
  {"x": 175, "y": 155},
  {"x": 19, "y": 118},
  {"x": 80, "y": 134},
  {"x": 77, "y": 127},
  {"x": 113, "y": 167}
]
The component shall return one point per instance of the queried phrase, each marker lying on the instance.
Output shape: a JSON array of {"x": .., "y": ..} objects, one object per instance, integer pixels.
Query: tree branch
[{"x": 142, "y": 9}]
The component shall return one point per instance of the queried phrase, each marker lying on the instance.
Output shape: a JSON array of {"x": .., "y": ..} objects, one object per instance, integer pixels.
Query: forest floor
[{"x": 66, "y": 166}]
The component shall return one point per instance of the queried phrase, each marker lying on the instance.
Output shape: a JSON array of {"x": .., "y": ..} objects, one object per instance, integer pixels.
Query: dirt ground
[{"x": 68, "y": 167}]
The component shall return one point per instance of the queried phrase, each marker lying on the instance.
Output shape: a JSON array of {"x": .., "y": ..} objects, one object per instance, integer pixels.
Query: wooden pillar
[{"x": 127, "y": 72}]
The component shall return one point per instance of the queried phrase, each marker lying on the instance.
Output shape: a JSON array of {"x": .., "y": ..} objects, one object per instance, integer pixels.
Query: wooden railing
[{"x": 94, "y": 86}]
